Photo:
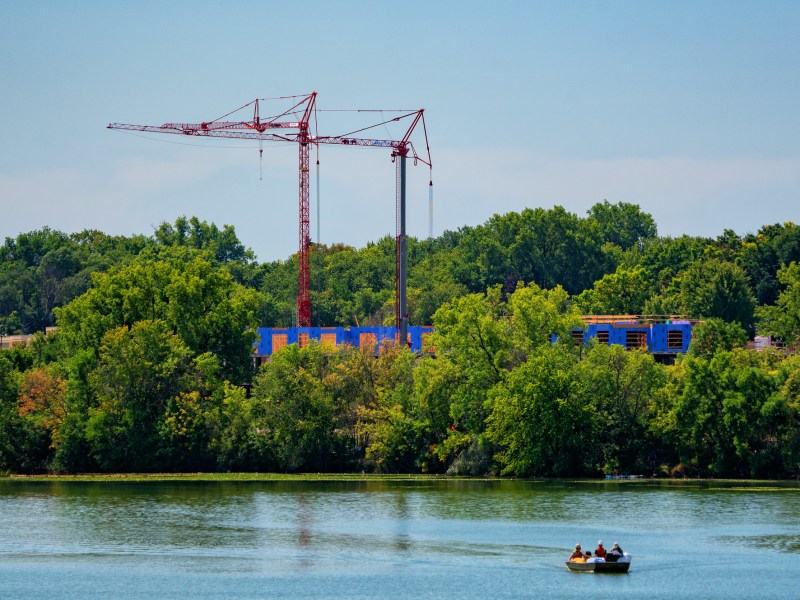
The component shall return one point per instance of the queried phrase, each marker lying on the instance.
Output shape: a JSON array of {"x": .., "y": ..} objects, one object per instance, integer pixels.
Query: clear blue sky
[{"x": 689, "y": 109}]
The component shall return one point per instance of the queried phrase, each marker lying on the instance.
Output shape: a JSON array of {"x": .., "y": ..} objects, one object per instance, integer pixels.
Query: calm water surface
[{"x": 394, "y": 539}]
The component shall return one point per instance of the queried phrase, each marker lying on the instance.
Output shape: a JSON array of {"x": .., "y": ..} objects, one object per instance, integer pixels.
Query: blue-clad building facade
[{"x": 664, "y": 339}]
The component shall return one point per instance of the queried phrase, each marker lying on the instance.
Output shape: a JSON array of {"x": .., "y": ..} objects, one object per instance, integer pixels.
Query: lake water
[{"x": 396, "y": 539}]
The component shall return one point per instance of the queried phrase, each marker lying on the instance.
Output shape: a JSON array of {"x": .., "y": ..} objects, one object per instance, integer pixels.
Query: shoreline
[{"x": 311, "y": 477}]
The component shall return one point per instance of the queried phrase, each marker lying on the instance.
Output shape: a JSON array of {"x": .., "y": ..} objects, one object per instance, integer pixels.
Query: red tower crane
[{"x": 298, "y": 117}]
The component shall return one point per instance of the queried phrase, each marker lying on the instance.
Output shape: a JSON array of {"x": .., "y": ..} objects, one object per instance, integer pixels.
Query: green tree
[
  {"x": 44, "y": 269},
  {"x": 783, "y": 319},
  {"x": 540, "y": 420},
  {"x": 72, "y": 452},
  {"x": 696, "y": 420},
  {"x": 279, "y": 284},
  {"x": 434, "y": 382},
  {"x": 782, "y": 411},
  {"x": 722, "y": 413},
  {"x": 536, "y": 315},
  {"x": 24, "y": 444},
  {"x": 664, "y": 258},
  {"x": 546, "y": 247},
  {"x": 623, "y": 292},
  {"x": 483, "y": 338},
  {"x": 397, "y": 427},
  {"x": 472, "y": 334},
  {"x": 623, "y": 224},
  {"x": 434, "y": 282},
  {"x": 223, "y": 244},
  {"x": 295, "y": 410},
  {"x": 763, "y": 254},
  {"x": 182, "y": 288},
  {"x": 356, "y": 383},
  {"x": 714, "y": 335},
  {"x": 151, "y": 395},
  {"x": 33, "y": 268},
  {"x": 715, "y": 288},
  {"x": 234, "y": 438},
  {"x": 751, "y": 431},
  {"x": 622, "y": 386},
  {"x": 9, "y": 378}
]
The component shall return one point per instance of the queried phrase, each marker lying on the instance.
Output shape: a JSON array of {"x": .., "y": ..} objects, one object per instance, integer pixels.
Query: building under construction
[{"x": 663, "y": 337}]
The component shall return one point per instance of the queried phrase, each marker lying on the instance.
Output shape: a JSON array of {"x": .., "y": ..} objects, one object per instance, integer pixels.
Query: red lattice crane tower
[{"x": 295, "y": 125}]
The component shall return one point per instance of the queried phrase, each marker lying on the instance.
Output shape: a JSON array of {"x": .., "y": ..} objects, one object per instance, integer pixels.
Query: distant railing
[{"x": 636, "y": 319}]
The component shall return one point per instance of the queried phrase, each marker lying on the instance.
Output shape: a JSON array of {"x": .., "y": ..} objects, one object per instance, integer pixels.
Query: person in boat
[
  {"x": 577, "y": 555},
  {"x": 594, "y": 559},
  {"x": 615, "y": 553},
  {"x": 600, "y": 551}
]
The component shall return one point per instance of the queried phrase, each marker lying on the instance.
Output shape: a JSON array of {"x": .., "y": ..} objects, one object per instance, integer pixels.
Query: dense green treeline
[
  {"x": 612, "y": 262},
  {"x": 497, "y": 398},
  {"x": 147, "y": 367}
]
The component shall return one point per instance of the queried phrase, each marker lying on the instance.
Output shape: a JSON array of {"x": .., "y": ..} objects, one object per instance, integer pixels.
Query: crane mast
[
  {"x": 304, "y": 277},
  {"x": 295, "y": 125}
]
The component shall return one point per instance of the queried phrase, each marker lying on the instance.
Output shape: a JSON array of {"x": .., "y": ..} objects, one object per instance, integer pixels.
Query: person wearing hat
[
  {"x": 600, "y": 551},
  {"x": 615, "y": 553},
  {"x": 577, "y": 556}
]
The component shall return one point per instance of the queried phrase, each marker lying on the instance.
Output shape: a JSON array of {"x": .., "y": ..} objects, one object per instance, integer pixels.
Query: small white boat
[{"x": 598, "y": 565}]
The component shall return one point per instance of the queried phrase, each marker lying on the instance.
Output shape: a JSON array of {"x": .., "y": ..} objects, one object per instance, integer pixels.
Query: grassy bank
[
  {"x": 225, "y": 477},
  {"x": 743, "y": 484}
]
